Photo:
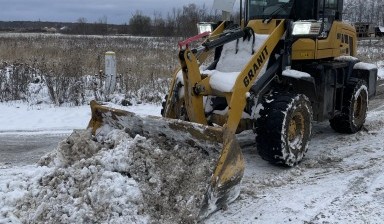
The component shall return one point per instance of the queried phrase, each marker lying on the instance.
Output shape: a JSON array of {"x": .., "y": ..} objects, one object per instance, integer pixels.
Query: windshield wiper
[{"x": 276, "y": 12}]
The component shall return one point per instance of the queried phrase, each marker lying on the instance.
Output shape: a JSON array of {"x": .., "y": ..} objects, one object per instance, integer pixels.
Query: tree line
[
  {"x": 181, "y": 22},
  {"x": 371, "y": 11},
  {"x": 177, "y": 22}
]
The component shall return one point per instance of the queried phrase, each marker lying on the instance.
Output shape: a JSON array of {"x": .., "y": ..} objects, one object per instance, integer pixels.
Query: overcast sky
[{"x": 116, "y": 11}]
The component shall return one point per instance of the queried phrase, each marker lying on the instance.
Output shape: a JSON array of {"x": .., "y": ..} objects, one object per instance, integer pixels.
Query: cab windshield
[{"x": 268, "y": 9}]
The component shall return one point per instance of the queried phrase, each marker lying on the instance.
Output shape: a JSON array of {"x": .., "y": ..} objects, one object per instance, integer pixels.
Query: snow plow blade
[{"x": 221, "y": 185}]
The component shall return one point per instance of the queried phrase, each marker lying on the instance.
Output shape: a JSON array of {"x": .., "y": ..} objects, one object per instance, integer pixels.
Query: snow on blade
[{"x": 172, "y": 168}]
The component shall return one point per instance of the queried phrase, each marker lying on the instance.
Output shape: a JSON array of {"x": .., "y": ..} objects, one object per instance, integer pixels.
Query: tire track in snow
[
  {"x": 359, "y": 202},
  {"x": 339, "y": 180}
]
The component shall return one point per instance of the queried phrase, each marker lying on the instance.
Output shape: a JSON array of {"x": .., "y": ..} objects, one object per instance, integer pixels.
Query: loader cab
[
  {"x": 324, "y": 10},
  {"x": 269, "y": 9}
]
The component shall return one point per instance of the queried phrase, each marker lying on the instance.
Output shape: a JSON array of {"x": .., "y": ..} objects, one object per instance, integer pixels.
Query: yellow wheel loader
[{"x": 288, "y": 63}]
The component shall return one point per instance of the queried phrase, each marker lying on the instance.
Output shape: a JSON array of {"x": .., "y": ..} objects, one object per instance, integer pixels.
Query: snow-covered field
[
  {"x": 341, "y": 180},
  {"x": 18, "y": 117}
]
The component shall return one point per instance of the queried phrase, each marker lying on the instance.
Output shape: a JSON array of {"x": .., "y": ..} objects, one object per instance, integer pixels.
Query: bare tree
[
  {"x": 81, "y": 26},
  {"x": 101, "y": 26},
  {"x": 159, "y": 25},
  {"x": 140, "y": 24},
  {"x": 364, "y": 11}
]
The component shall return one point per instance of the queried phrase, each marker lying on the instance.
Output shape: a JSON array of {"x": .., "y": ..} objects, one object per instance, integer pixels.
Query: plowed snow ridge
[{"x": 115, "y": 178}]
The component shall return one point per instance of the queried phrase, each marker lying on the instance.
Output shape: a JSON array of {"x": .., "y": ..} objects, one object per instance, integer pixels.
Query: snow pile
[
  {"x": 114, "y": 179},
  {"x": 79, "y": 188},
  {"x": 14, "y": 186}
]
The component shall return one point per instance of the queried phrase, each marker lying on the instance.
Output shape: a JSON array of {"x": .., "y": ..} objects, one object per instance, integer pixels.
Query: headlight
[
  {"x": 306, "y": 28},
  {"x": 205, "y": 27}
]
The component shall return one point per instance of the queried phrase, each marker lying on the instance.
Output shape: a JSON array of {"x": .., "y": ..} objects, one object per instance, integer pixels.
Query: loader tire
[
  {"x": 284, "y": 129},
  {"x": 354, "y": 111}
]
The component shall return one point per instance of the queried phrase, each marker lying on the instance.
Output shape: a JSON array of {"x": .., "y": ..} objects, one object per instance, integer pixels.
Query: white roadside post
[
  {"x": 226, "y": 6},
  {"x": 110, "y": 73}
]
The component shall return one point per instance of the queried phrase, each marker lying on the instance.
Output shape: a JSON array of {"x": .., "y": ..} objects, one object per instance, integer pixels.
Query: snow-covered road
[{"x": 341, "y": 180}]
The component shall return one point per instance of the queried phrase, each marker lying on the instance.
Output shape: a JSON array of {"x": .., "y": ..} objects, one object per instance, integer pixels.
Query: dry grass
[{"x": 65, "y": 59}]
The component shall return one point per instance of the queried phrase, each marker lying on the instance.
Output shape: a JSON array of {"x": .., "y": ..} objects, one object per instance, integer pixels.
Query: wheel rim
[
  {"x": 296, "y": 131},
  {"x": 359, "y": 108}
]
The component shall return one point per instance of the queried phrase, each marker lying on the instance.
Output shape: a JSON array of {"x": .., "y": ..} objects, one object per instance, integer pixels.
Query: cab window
[{"x": 329, "y": 4}]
